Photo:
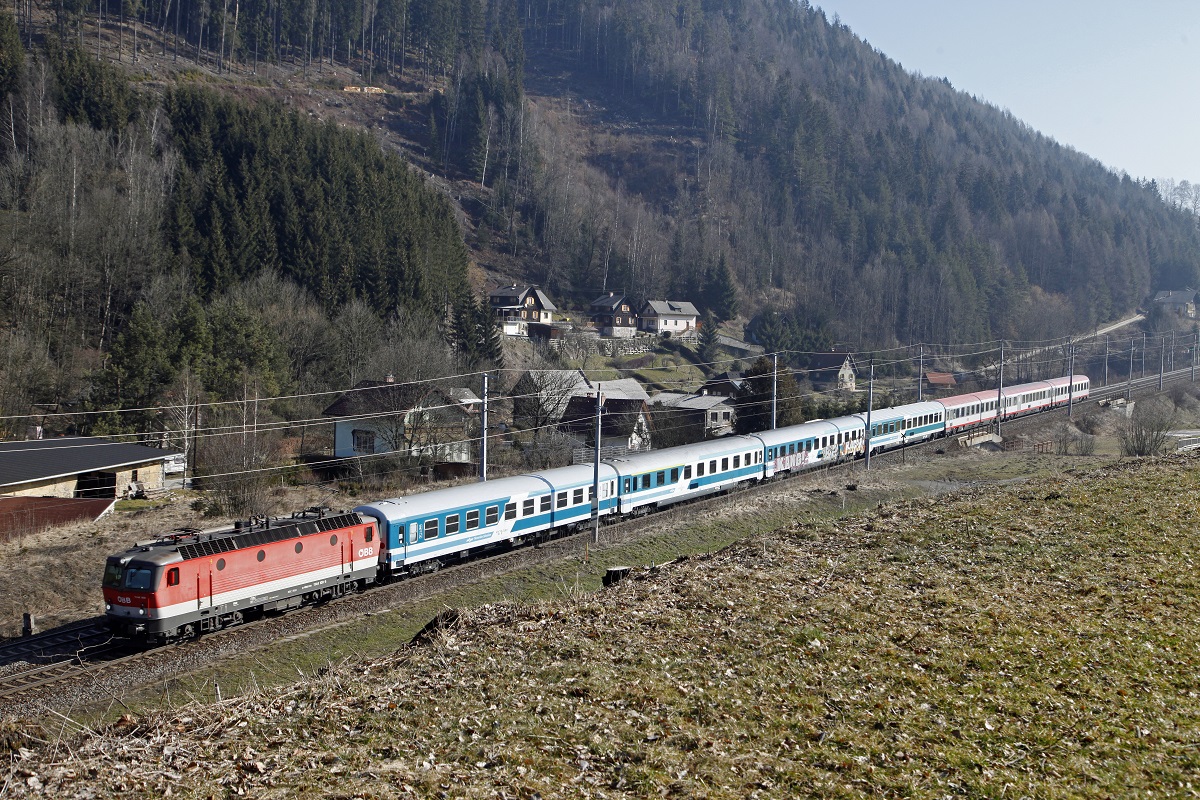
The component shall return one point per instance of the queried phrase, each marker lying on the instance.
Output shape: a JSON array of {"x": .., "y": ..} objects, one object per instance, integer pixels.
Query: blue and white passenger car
[
  {"x": 811, "y": 444},
  {"x": 662, "y": 477},
  {"x": 422, "y": 530},
  {"x": 903, "y": 425}
]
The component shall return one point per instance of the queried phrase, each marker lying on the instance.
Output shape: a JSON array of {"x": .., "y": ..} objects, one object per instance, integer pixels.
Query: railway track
[{"x": 78, "y": 652}]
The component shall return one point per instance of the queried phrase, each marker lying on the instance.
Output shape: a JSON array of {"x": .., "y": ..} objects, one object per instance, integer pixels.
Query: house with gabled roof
[
  {"x": 624, "y": 422},
  {"x": 613, "y": 315},
  {"x": 727, "y": 384},
  {"x": 515, "y": 307},
  {"x": 1181, "y": 302},
  {"x": 676, "y": 318},
  {"x": 833, "y": 370},
  {"x": 713, "y": 414},
  {"x": 415, "y": 420}
]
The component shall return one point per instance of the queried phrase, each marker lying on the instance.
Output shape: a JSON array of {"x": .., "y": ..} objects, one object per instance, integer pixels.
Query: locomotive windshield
[
  {"x": 139, "y": 577},
  {"x": 112, "y": 573}
]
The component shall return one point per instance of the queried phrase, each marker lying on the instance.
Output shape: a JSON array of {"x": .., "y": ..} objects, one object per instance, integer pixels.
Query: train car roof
[
  {"x": 966, "y": 399},
  {"x": 438, "y": 500},
  {"x": 907, "y": 410},
  {"x": 576, "y": 475},
  {"x": 677, "y": 456},
  {"x": 802, "y": 431},
  {"x": 184, "y": 545}
]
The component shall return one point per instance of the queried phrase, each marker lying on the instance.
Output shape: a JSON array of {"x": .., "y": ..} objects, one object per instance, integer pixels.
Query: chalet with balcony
[
  {"x": 613, "y": 315},
  {"x": 516, "y": 307}
]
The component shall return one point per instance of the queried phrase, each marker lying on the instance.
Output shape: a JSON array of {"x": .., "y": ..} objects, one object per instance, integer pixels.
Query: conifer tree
[{"x": 754, "y": 400}]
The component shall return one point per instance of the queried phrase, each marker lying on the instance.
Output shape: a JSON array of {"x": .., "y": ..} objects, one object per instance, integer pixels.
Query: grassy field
[{"x": 1036, "y": 639}]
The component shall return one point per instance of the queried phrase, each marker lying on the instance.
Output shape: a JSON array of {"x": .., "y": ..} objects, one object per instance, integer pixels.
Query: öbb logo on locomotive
[{"x": 193, "y": 581}]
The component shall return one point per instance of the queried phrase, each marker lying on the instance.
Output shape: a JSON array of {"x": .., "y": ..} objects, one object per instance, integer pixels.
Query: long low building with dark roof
[{"x": 79, "y": 466}]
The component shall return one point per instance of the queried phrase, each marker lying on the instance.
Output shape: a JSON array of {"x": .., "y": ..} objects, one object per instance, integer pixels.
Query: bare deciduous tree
[{"x": 1145, "y": 434}]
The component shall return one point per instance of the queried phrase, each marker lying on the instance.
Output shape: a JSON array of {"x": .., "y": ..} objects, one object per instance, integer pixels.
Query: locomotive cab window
[
  {"x": 370, "y": 535},
  {"x": 173, "y": 576},
  {"x": 139, "y": 578},
  {"x": 112, "y": 574}
]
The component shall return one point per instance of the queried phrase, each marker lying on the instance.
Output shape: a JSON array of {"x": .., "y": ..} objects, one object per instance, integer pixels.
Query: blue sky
[{"x": 1119, "y": 81}]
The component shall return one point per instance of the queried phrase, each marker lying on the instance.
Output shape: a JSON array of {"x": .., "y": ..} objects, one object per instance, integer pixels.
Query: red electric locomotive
[{"x": 191, "y": 581}]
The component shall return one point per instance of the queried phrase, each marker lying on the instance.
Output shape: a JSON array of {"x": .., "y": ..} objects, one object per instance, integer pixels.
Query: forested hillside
[
  {"x": 884, "y": 205},
  {"x": 160, "y": 248},
  {"x": 750, "y": 157}
]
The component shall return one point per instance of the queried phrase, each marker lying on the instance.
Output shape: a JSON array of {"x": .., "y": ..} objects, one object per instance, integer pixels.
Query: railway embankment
[{"x": 1036, "y": 637}]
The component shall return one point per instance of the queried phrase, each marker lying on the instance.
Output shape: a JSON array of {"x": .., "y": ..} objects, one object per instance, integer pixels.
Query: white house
[
  {"x": 668, "y": 317},
  {"x": 408, "y": 419}
]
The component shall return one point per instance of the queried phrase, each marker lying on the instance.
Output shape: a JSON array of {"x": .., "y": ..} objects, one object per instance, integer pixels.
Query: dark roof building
[
  {"x": 613, "y": 315},
  {"x": 832, "y": 369},
  {"x": 521, "y": 305},
  {"x": 624, "y": 421},
  {"x": 79, "y": 466}
]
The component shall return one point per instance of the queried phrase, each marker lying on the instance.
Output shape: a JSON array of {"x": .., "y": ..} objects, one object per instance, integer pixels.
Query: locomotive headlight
[
  {"x": 142, "y": 611},
  {"x": 108, "y": 606}
]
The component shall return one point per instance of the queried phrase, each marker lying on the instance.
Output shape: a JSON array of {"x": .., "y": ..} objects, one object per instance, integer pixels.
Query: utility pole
[
  {"x": 1071, "y": 382},
  {"x": 870, "y": 402},
  {"x": 1195, "y": 347},
  {"x": 1106, "y": 359},
  {"x": 774, "y": 387},
  {"x": 921, "y": 375},
  {"x": 1000, "y": 391},
  {"x": 483, "y": 430},
  {"x": 1162, "y": 361},
  {"x": 1129, "y": 385},
  {"x": 596, "y": 472},
  {"x": 1143, "y": 355}
]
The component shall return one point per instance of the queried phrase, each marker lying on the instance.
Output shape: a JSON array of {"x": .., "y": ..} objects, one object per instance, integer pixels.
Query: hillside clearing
[{"x": 1037, "y": 639}]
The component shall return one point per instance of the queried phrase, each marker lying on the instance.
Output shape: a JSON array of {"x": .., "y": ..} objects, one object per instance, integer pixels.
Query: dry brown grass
[{"x": 1034, "y": 640}]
